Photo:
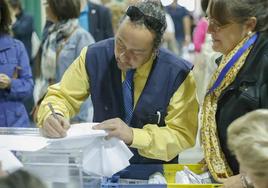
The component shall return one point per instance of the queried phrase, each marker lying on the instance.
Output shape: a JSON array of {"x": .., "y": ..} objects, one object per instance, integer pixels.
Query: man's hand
[
  {"x": 232, "y": 182},
  {"x": 4, "y": 81},
  {"x": 55, "y": 127},
  {"x": 116, "y": 128}
]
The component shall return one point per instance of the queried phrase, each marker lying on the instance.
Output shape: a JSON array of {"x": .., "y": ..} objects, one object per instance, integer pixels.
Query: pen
[{"x": 53, "y": 111}]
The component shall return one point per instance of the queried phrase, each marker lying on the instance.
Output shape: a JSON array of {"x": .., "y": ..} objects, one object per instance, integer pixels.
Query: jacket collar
[
  {"x": 251, "y": 64},
  {"x": 5, "y": 42},
  {"x": 254, "y": 55}
]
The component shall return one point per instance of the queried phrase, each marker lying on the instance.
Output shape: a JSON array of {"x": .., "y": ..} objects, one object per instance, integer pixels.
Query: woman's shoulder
[
  {"x": 81, "y": 36},
  {"x": 18, "y": 43},
  {"x": 82, "y": 33},
  {"x": 9, "y": 43},
  {"x": 262, "y": 44}
]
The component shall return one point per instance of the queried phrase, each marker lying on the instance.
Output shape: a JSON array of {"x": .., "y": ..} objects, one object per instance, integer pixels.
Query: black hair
[
  {"x": 65, "y": 9},
  {"x": 5, "y": 17}
]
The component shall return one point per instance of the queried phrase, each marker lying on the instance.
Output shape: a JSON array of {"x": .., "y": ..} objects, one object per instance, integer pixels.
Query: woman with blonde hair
[{"x": 248, "y": 139}]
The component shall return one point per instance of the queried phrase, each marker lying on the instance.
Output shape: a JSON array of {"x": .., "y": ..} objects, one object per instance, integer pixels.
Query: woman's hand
[{"x": 4, "y": 81}]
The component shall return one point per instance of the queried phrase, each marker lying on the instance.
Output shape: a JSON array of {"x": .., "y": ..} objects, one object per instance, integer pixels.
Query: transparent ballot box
[{"x": 55, "y": 166}]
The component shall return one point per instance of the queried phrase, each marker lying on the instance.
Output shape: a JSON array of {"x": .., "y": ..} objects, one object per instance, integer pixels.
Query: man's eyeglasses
[
  {"x": 135, "y": 14},
  {"x": 216, "y": 26}
]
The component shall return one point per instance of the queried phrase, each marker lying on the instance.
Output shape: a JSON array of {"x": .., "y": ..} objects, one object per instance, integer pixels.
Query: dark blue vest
[{"x": 167, "y": 74}]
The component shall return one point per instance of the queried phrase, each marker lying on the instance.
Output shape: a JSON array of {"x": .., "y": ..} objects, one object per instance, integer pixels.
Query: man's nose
[{"x": 124, "y": 56}]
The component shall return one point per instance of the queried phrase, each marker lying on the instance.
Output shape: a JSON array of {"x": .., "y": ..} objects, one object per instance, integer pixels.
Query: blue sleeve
[
  {"x": 21, "y": 87},
  {"x": 185, "y": 12}
]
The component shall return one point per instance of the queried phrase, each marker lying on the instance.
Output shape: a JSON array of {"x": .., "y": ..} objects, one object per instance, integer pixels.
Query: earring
[{"x": 249, "y": 33}]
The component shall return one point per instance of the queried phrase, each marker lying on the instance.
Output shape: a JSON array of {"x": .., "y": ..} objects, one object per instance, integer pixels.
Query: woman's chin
[{"x": 216, "y": 47}]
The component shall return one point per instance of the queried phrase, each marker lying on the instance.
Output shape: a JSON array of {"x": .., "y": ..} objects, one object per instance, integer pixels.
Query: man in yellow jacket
[{"x": 162, "y": 120}]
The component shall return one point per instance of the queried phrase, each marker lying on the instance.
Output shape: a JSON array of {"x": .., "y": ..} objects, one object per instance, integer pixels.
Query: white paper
[
  {"x": 92, "y": 158},
  {"x": 82, "y": 129},
  {"x": 78, "y": 136},
  {"x": 9, "y": 162},
  {"x": 22, "y": 143},
  {"x": 106, "y": 157}
]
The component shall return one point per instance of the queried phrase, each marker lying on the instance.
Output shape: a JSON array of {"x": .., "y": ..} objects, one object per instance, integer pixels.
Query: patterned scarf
[
  {"x": 214, "y": 156},
  {"x": 57, "y": 35}
]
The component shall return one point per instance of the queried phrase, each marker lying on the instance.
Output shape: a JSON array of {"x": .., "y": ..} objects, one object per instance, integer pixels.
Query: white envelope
[{"x": 106, "y": 157}]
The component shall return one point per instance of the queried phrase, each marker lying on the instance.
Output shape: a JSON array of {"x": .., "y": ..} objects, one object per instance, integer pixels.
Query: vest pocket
[{"x": 157, "y": 117}]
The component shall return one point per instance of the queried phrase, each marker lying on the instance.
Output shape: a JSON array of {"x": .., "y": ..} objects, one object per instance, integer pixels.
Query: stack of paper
[{"x": 78, "y": 136}]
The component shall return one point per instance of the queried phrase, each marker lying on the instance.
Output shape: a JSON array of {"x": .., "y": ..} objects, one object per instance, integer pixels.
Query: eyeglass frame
[
  {"x": 216, "y": 26},
  {"x": 149, "y": 21}
]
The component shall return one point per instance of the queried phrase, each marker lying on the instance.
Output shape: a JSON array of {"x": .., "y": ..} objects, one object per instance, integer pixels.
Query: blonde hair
[{"x": 248, "y": 138}]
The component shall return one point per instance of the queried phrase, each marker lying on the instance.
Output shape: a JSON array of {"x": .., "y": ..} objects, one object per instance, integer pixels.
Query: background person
[
  {"x": 200, "y": 31},
  {"x": 23, "y": 26},
  {"x": 182, "y": 22},
  {"x": 248, "y": 140},
  {"x": 62, "y": 45},
  {"x": 16, "y": 82},
  {"x": 239, "y": 31},
  {"x": 22, "y": 29},
  {"x": 96, "y": 19}
]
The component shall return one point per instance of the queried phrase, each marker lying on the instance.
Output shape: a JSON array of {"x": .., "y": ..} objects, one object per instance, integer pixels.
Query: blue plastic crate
[
  {"x": 128, "y": 183},
  {"x": 169, "y": 171}
]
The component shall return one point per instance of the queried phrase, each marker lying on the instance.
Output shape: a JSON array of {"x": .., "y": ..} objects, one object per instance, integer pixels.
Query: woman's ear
[{"x": 250, "y": 24}]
